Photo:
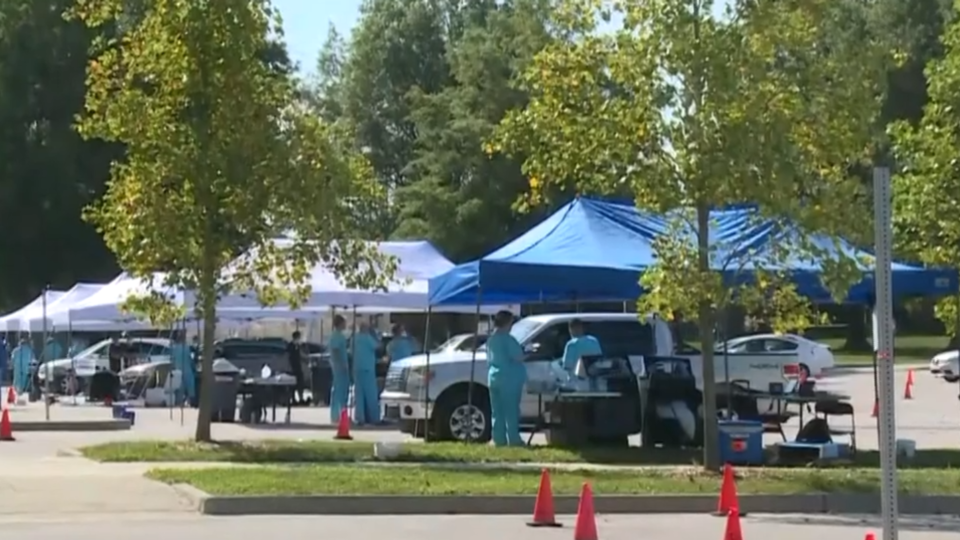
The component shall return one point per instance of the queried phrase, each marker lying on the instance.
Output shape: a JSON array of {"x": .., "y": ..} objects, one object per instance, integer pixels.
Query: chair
[{"x": 839, "y": 408}]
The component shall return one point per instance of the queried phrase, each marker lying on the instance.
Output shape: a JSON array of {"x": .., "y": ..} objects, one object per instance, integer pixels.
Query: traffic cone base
[
  {"x": 343, "y": 427},
  {"x": 544, "y": 514},
  {"x": 6, "y": 430},
  {"x": 732, "y": 531},
  {"x": 586, "y": 525}
]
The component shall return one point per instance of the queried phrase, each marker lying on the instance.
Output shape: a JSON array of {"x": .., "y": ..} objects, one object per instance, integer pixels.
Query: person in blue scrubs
[
  {"x": 51, "y": 350},
  {"x": 366, "y": 395},
  {"x": 22, "y": 357},
  {"x": 580, "y": 345},
  {"x": 340, "y": 368},
  {"x": 506, "y": 376},
  {"x": 400, "y": 346},
  {"x": 3, "y": 363},
  {"x": 182, "y": 359}
]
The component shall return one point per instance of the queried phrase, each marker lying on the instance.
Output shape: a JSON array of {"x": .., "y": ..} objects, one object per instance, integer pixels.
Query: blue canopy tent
[{"x": 593, "y": 250}]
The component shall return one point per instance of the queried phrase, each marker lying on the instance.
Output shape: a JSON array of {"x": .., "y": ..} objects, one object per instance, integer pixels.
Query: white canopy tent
[
  {"x": 12, "y": 322},
  {"x": 34, "y": 319},
  {"x": 102, "y": 311},
  {"x": 417, "y": 262}
]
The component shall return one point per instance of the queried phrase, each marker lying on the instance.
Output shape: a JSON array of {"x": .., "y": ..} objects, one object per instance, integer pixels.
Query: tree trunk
[
  {"x": 857, "y": 329},
  {"x": 207, "y": 292},
  {"x": 711, "y": 454}
]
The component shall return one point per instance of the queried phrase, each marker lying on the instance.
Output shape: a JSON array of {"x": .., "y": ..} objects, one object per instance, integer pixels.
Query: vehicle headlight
[{"x": 418, "y": 376}]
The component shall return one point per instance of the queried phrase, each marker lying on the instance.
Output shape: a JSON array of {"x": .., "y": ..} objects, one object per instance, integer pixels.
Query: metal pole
[
  {"x": 884, "y": 308},
  {"x": 49, "y": 375}
]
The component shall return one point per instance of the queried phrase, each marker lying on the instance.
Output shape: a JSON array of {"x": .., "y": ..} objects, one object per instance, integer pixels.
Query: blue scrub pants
[
  {"x": 339, "y": 394},
  {"x": 506, "y": 391},
  {"x": 366, "y": 396}
]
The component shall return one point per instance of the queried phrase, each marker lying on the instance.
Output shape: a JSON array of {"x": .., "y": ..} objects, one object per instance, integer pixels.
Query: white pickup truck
[{"x": 418, "y": 393}]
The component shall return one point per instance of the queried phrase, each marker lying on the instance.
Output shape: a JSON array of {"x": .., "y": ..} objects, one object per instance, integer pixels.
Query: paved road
[{"x": 650, "y": 527}]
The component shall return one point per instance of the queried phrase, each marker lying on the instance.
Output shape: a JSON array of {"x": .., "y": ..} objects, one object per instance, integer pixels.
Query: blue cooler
[{"x": 741, "y": 442}]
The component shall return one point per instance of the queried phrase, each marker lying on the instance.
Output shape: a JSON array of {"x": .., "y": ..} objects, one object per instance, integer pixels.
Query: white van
[{"x": 452, "y": 415}]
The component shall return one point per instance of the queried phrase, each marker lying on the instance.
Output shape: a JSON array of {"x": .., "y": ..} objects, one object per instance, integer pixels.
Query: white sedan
[
  {"x": 815, "y": 358},
  {"x": 946, "y": 365}
]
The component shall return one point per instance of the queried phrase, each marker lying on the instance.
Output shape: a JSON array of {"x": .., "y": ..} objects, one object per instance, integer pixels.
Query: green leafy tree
[
  {"x": 926, "y": 191},
  {"x": 693, "y": 105},
  {"x": 220, "y": 162}
]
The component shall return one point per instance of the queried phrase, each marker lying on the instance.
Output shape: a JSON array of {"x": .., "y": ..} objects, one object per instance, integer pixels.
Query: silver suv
[{"x": 435, "y": 391}]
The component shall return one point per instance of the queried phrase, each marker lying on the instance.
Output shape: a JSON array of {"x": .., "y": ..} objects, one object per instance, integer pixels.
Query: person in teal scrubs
[
  {"x": 22, "y": 357},
  {"x": 340, "y": 367},
  {"x": 506, "y": 376},
  {"x": 366, "y": 395},
  {"x": 51, "y": 350},
  {"x": 580, "y": 345},
  {"x": 182, "y": 359},
  {"x": 400, "y": 346}
]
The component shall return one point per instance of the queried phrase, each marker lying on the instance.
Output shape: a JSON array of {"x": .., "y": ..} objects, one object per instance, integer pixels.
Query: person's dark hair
[
  {"x": 576, "y": 325},
  {"x": 339, "y": 322},
  {"x": 397, "y": 329},
  {"x": 502, "y": 319},
  {"x": 296, "y": 335}
]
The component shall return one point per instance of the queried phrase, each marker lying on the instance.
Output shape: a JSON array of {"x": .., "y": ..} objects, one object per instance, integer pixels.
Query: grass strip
[
  {"x": 326, "y": 451},
  {"x": 412, "y": 480}
]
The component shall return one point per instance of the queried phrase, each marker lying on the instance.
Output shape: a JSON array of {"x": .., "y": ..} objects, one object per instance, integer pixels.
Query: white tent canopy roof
[
  {"x": 104, "y": 305},
  {"x": 417, "y": 262},
  {"x": 34, "y": 319},
  {"x": 12, "y": 322}
]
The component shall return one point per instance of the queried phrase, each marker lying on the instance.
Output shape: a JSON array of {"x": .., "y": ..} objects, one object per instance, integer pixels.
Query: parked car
[
  {"x": 946, "y": 365},
  {"x": 95, "y": 357},
  {"x": 816, "y": 359}
]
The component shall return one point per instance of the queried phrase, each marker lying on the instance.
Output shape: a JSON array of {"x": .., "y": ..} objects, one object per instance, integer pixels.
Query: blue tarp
[{"x": 593, "y": 250}]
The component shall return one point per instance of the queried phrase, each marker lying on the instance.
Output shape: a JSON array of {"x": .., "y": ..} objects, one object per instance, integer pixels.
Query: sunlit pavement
[{"x": 648, "y": 527}]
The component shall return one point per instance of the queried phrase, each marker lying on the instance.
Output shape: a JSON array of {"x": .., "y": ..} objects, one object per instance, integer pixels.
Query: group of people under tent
[
  {"x": 507, "y": 373},
  {"x": 363, "y": 345},
  {"x": 19, "y": 361}
]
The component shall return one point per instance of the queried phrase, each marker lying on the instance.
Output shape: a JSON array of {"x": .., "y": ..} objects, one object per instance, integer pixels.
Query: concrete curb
[
  {"x": 523, "y": 505},
  {"x": 69, "y": 425}
]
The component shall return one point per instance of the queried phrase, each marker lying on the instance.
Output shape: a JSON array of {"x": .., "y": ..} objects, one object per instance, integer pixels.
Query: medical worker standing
[
  {"x": 580, "y": 345},
  {"x": 400, "y": 346},
  {"x": 22, "y": 357},
  {"x": 182, "y": 357},
  {"x": 3, "y": 363},
  {"x": 340, "y": 368},
  {"x": 51, "y": 350},
  {"x": 505, "y": 378},
  {"x": 366, "y": 395}
]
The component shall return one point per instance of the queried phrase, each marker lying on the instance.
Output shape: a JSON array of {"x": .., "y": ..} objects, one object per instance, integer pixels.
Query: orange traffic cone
[
  {"x": 543, "y": 511},
  {"x": 586, "y": 526},
  {"x": 11, "y": 396},
  {"x": 732, "y": 530},
  {"x": 908, "y": 388},
  {"x": 876, "y": 409},
  {"x": 343, "y": 427},
  {"x": 870, "y": 536},
  {"x": 6, "y": 430},
  {"x": 728, "y": 493}
]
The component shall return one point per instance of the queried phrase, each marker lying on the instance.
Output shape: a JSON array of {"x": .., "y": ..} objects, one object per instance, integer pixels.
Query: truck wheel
[{"x": 456, "y": 420}]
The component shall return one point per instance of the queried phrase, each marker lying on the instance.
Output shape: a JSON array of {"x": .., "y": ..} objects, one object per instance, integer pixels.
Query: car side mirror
[{"x": 531, "y": 348}]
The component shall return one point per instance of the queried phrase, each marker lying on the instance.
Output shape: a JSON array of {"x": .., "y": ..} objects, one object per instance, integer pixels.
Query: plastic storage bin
[{"x": 741, "y": 442}]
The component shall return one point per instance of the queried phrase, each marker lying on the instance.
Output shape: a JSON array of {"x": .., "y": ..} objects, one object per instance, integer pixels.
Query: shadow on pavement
[{"x": 907, "y": 523}]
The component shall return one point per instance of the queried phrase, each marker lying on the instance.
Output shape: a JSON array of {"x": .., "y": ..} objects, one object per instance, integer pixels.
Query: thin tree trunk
[{"x": 711, "y": 454}]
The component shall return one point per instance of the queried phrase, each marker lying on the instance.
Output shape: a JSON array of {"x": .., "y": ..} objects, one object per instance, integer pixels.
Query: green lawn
[
  {"x": 907, "y": 350},
  {"x": 341, "y": 479},
  {"x": 286, "y": 451},
  {"x": 280, "y": 452}
]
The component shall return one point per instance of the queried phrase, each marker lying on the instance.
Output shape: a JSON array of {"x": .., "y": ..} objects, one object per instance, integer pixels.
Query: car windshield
[
  {"x": 448, "y": 344},
  {"x": 521, "y": 330},
  {"x": 99, "y": 347}
]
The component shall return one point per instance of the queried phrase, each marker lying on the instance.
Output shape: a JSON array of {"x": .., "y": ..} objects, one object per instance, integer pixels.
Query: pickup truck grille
[{"x": 396, "y": 381}]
